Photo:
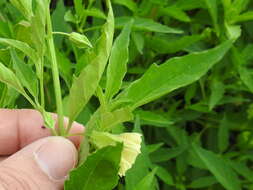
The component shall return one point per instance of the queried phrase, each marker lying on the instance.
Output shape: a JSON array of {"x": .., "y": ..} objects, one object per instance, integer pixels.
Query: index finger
[{"x": 19, "y": 128}]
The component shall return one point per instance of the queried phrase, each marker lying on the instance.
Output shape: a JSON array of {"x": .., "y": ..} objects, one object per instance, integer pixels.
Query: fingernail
[{"x": 56, "y": 157}]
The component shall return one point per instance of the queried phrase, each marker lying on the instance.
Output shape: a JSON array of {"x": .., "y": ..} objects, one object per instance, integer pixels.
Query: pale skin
[{"x": 29, "y": 158}]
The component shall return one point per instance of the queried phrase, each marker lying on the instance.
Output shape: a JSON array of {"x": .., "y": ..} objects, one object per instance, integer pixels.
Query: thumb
[{"x": 43, "y": 164}]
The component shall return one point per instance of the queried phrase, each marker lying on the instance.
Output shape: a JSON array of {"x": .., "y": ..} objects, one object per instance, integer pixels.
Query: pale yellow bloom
[{"x": 131, "y": 146}]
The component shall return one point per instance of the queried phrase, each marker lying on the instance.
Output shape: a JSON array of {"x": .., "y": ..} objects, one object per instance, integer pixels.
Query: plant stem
[
  {"x": 56, "y": 80},
  {"x": 42, "y": 96}
]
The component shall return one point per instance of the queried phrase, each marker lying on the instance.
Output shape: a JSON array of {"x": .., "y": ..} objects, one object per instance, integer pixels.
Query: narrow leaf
[
  {"x": 147, "y": 181},
  {"x": 9, "y": 78},
  {"x": 173, "y": 74},
  {"x": 117, "y": 67},
  {"x": 219, "y": 168},
  {"x": 25, "y": 48},
  {"x": 26, "y": 75}
]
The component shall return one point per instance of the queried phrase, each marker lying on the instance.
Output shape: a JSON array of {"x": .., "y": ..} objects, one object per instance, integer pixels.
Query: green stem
[
  {"x": 3, "y": 96},
  {"x": 42, "y": 95},
  {"x": 61, "y": 33},
  {"x": 56, "y": 80}
]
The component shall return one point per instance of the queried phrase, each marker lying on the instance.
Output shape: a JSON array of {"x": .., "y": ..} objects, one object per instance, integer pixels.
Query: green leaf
[
  {"x": 176, "y": 13},
  {"x": 164, "y": 175},
  {"x": 242, "y": 169},
  {"x": 223, "y": 134},
  {"x": 117, "y": 66},
  {"x": 219, "y": 168},
  {"x": 80, "y": 40},
  {"x": 9, "y": 78},
  {"x": 245, "y": 74},
  {"x": 99, "y": 171},
  {"x": 24, "y": 6},
  {"x": 147, "y": 181},
  {"x": 138, "y": 41},
  {"x": 79, "y": 8},
  {"x": 165, "y": 154},
  {"x": 162, "y": 46},
  {"x": 25, "y": 48},
  {"x": 26, "y": 75},
  {"x": 203, "y": 182},
  {"x": 38, "y": 27},
  {"x": 173, "y": 74},
  {"x": 153, "y": 118},
  {"x": 243, "y": 17},
  {"x": 213, "y": 10},
  {"x": 146, "y": 25},
  {"x": 217, "y": 92},
  {"x": 85, "y": 85},
  {"x": 94, "y": 12},
  {"x": 130, "y": 4}
]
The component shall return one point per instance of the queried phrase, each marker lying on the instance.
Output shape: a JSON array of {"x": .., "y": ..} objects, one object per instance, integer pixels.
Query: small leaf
[
  {"x": 94, "y": 12},
  {"x": 176, "y": 13},
  {"x": 147, "y": 25},
  {"x": 80, "y": 40},
  {"x": 219, "y": 168},
  {"x": 130, "y": 4},
  {"x": 247, "y": 16},
  {"x": 117, "y": 66},
  {"x": 25, "y": 48},
  {"x": 98, "y": 172},
  {"x": 213, "y": 10},
  {"x": 25, "y": 74},
  {"x": 203, "y": 182},
  {"x": 138, "y": 41},
  {"x": 24, "y": 6},
  {"x": 173, "y": 74},
  {"x": 9, "y": 78},
  {"x": 164, "y": 175},
  {"x": 217, "y": 92},
  {"x": 223, "y": 134},
  {"x": 147, "y": 181}
]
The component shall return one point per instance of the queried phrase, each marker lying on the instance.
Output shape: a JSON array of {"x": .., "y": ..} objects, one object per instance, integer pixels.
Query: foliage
[{"x": 179, "y": 72}]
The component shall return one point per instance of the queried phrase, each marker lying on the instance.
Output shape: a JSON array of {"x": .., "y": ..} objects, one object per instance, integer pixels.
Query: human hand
[{"x": 29, "y": 158}]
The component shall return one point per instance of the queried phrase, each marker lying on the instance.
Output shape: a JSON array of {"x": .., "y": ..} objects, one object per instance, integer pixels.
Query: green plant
[{"x": 165, "y": 70}]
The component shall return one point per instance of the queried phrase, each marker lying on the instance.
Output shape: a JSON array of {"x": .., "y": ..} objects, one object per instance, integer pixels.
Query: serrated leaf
[
  {"x": 117, "y": 66},
  {"x": 219, "y": 168},
  {"x": 173, "y": 74},
  {"x": 99, "y": 171},
  {"x": 85, "y": 85},
  {"x": 26, "y": 75}
]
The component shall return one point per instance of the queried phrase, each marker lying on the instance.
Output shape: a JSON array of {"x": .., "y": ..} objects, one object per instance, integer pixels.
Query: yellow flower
[{"x": 131, "y": 146}]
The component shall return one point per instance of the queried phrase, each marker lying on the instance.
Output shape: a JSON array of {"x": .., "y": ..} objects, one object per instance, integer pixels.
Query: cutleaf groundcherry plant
[{"x": 145, "y": 78}]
